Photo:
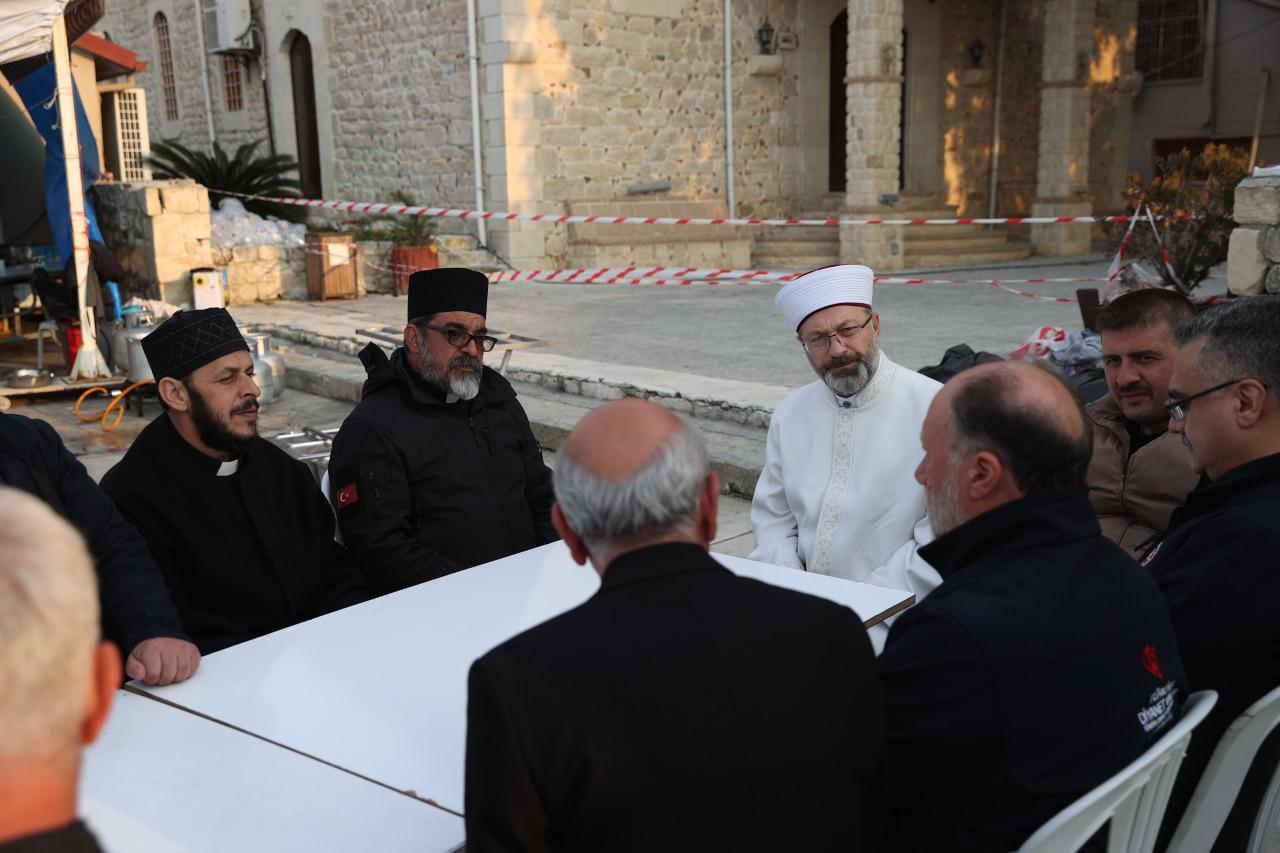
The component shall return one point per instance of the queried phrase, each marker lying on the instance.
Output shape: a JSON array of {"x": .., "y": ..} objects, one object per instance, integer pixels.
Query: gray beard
[
  {"x": 943, "y": 508},
  {"x": 464, "y": 387},
  {"x": 850, "y": 384}
]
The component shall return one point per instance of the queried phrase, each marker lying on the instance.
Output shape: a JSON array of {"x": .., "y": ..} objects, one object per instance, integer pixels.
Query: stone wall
[
  {"x": 262, "y": 273},
  {"x": 1253, "y": 258},
  {"x": 160, "y": 231},
  {"x": 132, "y": 23}
]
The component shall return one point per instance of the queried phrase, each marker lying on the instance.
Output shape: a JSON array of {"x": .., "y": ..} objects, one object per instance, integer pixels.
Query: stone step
[
  {"x": 928, "y": 232},
  {"x": 795, "y": 247},
  {"x": 798, "y": 234},
  {"x": 793, "y": 263},
  {"x": 960, "y": 258},
  {"x": 887, "y": 213},
  {"x": 944, "y": 240}
]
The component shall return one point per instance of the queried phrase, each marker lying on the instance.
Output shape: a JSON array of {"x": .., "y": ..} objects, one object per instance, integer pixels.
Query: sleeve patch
[{"x": 346, "y": 496}]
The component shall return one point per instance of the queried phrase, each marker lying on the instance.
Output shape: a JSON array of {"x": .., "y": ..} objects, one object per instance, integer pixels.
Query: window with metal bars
[
  {"x": 232, "y": 90},
  {"x": 166, "y": 67},
  {"x": 1170, "y": 39}
]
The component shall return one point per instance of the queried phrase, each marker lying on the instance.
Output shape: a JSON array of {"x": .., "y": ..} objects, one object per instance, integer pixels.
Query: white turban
[{"x": 844, "y": 284}]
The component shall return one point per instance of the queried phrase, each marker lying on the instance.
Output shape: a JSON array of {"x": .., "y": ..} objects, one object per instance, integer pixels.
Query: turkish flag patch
[
  {"x": 1151, "y": 662},
  {"x": 346, "y": 496}
]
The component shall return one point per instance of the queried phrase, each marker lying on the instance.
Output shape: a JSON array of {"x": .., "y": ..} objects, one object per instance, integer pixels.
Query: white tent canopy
[
  {"x": 26, "y": 28},
  {"x": 31, "y": 28}
]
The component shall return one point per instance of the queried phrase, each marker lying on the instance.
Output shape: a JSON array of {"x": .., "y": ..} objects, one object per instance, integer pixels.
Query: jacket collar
[
  {"x": 1038, "y": 521},
  {"x": 657, "y": 561},
  {"x": 1260, "y": 474},
  {"x": 883, "y": 377}
]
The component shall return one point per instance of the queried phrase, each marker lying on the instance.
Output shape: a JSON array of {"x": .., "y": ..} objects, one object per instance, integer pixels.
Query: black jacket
[
  {"x": 244, "y": 555},
  {"x": 679, "y": 708},
  {"x": 135, "y": 602},
  {"x": 75, "y": 837},
  {"x": 425, "y": 488},
  {"x": 1042, "y": 665},
  {"x": 1219, "y": 568}
]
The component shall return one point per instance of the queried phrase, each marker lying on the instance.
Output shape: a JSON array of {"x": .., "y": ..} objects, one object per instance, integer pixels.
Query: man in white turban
[{"x": 838, "y": 494}]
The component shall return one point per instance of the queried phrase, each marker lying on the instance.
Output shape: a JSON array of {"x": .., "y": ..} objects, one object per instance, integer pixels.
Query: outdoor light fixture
[
  {"x": 976, "y": 49},
  {"x": 764, "y": 35}
]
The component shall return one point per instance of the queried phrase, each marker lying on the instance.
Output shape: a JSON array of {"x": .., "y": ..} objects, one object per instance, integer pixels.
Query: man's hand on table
[{"x": 162, "y": 660}]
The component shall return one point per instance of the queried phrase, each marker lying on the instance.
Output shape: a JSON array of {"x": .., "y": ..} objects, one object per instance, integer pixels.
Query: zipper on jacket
[
  {"x": 374, "y": 486},
  {"x": 474, "y": 434},
  {"x": 487, "y": 440}
]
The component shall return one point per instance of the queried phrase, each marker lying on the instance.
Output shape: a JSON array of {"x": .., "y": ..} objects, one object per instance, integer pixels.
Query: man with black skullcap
[
  {"x": 437, "y": 469},
  {"x": 242, "y": 534}
]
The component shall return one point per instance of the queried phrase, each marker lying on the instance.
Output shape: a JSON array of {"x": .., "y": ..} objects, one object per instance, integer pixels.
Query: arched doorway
[
  {"x": 306, "y": 133},
  {"x": 837, "y": 103}
]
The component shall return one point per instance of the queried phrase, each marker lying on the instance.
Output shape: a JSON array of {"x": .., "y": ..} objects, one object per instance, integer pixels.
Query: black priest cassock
[
  {"x": 427, "y": 479},
  {"x": 241, "y": 532}
]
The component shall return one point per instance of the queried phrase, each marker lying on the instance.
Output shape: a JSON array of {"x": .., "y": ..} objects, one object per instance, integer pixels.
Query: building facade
[{"x": 877, "y": 107}]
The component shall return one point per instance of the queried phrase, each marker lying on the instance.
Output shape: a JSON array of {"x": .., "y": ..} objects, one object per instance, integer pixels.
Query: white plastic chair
[
  {"x": 327, "y": 488},
  {"x": 1216, "y": 792},
  {"x": 1133, "y": 800}
]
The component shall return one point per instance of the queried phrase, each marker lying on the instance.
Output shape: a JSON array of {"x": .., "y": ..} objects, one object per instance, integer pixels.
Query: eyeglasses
[
  {"x": 815, "y": 344},
  {"x": 1178, "y": 408},
  {"x": 460, "y": 338}
]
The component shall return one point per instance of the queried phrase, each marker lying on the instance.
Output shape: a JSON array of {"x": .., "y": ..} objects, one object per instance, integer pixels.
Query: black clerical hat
[
  {"x": 449, "y": 289},
  {"x": 191, "y": 339}
]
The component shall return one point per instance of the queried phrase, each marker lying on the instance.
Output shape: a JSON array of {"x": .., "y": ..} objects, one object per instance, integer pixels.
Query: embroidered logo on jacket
[
  {"x": 1151, "y": 555},
  {"x": 347, "y": 495},
  {"x": 1151, "y": 662}
]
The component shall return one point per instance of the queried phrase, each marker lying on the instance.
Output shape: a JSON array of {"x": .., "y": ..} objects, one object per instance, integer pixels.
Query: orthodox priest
[
  {"x": 437, "y": 469},
  {"x": 837, "y": 494},
  {"x": 241, "y": 532}
]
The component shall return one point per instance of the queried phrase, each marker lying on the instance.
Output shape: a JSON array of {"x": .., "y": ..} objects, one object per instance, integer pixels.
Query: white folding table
[
  {"x": 380, "y": 689},
  {"x": 161, "y": 779}
]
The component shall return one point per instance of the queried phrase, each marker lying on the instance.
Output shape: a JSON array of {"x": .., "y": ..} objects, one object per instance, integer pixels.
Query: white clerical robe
[{"x": 838, "y": 493}]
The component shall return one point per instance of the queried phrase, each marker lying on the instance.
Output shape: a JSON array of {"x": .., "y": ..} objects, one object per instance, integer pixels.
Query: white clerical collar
[
  {"x": 451, "y": 397},
  {"x": 226, "y": 469}
]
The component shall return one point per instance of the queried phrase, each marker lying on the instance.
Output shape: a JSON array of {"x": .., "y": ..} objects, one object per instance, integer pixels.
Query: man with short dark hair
[
  {"x": 681, "y": 707},
  {"x": 1046, "y": 660},
  {"x": 437, "y": 469},
  {"x": 240, "y": 530},
  {"x": 1140, "y": 471},
  {"x": 1218, "y": 565}
]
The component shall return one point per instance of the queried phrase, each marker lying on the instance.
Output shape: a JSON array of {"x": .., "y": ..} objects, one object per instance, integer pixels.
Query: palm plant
[{"x": 273, "y": 175}]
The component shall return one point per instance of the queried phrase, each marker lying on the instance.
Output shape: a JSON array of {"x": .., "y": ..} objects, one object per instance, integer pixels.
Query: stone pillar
[
  {"x": 1253, "y": 255},
  {"x": 515, "y": 79},
  {"x": 873, "y": 98},
  {"x": 1062, "y": 178}
]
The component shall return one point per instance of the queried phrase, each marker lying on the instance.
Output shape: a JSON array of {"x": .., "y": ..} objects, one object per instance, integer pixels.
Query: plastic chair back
[
  {"x": 1133, "y": 800},
  {"x": 1216, "y": 792}
]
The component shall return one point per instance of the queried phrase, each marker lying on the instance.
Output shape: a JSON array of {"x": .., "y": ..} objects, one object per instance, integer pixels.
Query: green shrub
[{"x": 273, "y": 175}]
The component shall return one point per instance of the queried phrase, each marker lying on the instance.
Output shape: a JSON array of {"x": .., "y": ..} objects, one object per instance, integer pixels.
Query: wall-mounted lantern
[{"x": 764, "y": 35}]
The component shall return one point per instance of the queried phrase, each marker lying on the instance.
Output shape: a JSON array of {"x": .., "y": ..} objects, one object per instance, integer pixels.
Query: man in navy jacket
[
  {"x": 1046, "y": 661},
  {"x": 137, "y": 612},
  {"x": 1219, "y": 563}
]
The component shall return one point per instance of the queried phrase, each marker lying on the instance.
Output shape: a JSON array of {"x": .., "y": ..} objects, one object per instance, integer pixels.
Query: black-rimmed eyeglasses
[
  {"x": 460, "y": 338},
  {"x": 1178, "y": 408},
  {"x": 815, "y": 344}
]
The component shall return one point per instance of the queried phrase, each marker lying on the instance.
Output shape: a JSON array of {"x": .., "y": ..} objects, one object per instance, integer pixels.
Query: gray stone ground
[{"x": 731, "y": 331}]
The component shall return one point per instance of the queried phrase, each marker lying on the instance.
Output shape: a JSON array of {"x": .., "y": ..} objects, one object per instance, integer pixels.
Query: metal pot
[
  {"x": 269, "y": 378},
  {"x": 137, "y": 324},
  {"x": 139, "y": 369}
]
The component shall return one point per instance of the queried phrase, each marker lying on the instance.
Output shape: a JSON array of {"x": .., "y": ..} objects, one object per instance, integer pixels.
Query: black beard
[{"x": 213, "y": 432}]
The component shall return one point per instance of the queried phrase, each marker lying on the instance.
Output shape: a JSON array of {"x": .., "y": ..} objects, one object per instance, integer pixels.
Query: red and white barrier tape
[{"x": 566, "y": 219}]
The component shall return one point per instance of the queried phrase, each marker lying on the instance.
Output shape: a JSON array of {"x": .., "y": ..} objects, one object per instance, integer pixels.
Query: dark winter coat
[
  {"x": 681, "y": 708},
  {"x": 425, "y": 487},
  {"x": 1219, "y": 569},
  {"x": 1043, "y": 664},
  {"x": 136, "y": 605}
]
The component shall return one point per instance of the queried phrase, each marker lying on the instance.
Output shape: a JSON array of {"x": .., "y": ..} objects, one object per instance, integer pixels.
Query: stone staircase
[
  {"x": 925, "y": 246},
  {"x": 464, "y": 250}
]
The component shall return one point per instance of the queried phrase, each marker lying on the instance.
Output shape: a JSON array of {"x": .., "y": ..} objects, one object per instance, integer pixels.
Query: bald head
[
  {"x": 1026, "y": 415},
  {"x": 617, "y": 439},
  {"x": 632, "y": 473}
]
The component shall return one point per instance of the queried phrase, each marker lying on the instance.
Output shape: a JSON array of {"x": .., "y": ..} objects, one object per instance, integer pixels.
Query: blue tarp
[{"x": 37, "y": 93}]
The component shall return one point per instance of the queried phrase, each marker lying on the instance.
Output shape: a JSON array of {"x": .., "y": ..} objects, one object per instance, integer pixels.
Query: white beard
[
  {"x": 464, "y": 387},
  {"x": 850, "y": 384}
]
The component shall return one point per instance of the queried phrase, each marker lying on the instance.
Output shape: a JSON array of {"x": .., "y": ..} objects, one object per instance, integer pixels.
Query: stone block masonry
[{"x": 1253, "y": 255}]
